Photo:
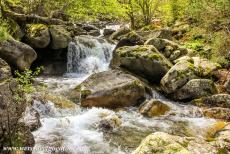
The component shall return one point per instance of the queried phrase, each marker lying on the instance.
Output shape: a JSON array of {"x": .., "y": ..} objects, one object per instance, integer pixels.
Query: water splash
[{"x": 88, "y": 55}]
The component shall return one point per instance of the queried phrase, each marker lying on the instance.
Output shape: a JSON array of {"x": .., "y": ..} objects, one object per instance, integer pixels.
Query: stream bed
[{"x": 77, "y": 131}]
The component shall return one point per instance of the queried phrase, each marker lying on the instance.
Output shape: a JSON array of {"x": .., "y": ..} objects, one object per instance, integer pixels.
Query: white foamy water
[{"x": 76, "y": 131}]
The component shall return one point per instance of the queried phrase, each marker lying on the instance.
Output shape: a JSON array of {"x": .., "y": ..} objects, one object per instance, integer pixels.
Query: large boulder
[
  {"x": 152, "y": 108},
  {"x": 196, "y": 88},
  {"x": 163, "y": 143},
  {"x": 12, "y": 105},
  {"x": 111, "y": 89},
  {"x": 178, "y": 76},
  {"x": 218, "y": 100},
  {"x": 37, "y": 35},
  {"x": 107, "y": 32},
  {"x": 60, "y": 37},
  {"x": 17, "y": 54},
  {"x": 144, "y": 61}
]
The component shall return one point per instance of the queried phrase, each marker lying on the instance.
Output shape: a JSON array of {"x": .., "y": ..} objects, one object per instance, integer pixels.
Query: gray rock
[
  {"x": 17, "y": 54},
  {"x": 111, "y": 89},
  {"x": 196, "y": 88},
  {"x": 60, "y": 37}
]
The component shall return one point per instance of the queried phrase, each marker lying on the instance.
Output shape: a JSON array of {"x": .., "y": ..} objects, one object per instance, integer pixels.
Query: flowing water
[{"x": 77, "y": 131}]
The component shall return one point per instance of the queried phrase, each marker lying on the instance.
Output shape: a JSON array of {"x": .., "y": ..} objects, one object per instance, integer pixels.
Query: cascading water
[
  {"x": 76, "y": 130},
  {"x": 88, "y": 55}
]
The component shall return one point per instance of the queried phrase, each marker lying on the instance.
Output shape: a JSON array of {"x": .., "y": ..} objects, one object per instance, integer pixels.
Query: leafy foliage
[{"x": 26, "y": 79}]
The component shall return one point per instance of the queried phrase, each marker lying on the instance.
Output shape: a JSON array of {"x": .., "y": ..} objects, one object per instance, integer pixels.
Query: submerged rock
[
  {"x": 163, "y": 143},
  {"x": 31, "y": 118},
  {"x": 37, "y": 35},
  {"x": 109, "y": 123},
  {"x": 60, "y": 37},
  {"x": 196, "y": 88},
  {"x": 154, "y": 108},
  {"x": 17, "y": 54},
  {"x": 144, "y": 61},
  {"x": 111, "y": 89},
  {"x": 178, "y": 76}
]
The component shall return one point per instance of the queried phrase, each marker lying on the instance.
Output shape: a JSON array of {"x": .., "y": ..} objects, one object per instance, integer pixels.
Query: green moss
[
  {"x": 78, "y": 88},
  {"x": 35, "y": 29},
  {"x": 85, "y": 93}
]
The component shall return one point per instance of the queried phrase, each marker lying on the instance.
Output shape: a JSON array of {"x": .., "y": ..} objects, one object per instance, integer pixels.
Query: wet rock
[
  {"x": 108, "y": 32},
  {"x": 60, "y": 37},
  {"x": 37, "y": 35},
  {"x": 196, "y": 88},
  {"x": 94, "y": 33},
  {"x": 218, "y": 100},
  {"x": 223, "y": 139},
  {"x": 153, "y": 108},
  {"x": 217, "y": 113},
  {"x": 17, "y": 54},
  {"x": 5, "y": 71},
  {"x": 109, "y": 123},
  {"x": 89, "y": 27},
  {"x": 111, "y": 89},
  {"x": 119, "y": 33},
  {"x": 144, "y": 61},
  {"x": 31, "y": 118},
  {"x": 178, "y": 76},
  {"x": 163, "y": 143}
]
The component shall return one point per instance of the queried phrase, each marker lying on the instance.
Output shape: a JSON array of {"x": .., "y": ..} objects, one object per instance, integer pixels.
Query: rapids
[{"x": 76, "y": 131}]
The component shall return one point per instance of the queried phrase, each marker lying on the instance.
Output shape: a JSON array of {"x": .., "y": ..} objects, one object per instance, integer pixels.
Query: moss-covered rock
[
  {"x": 144, "y": 61},
  {"x": 60, "y": 37},
  {"x": 217, "y": 113},
  {"x": 154, "y": 108},
  {"x": 218, "y": 100},
  {"x": 17, "y": 54},
  {"x": 111, "y": 89},
  {"x": 163, "y": 143},
  {"x": 37, "y": 35},
  {"x": 196, "y": 88},
  {"x": 178, "y": 76}
]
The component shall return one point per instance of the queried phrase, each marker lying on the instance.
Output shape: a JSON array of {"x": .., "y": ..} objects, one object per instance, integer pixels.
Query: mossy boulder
[
  {"x": 152, "y": 108},
  {"x": 111, "y": 89},
  {"x": 218, "y": 100},
  {"x": 144, "y": 61},
  {"x": 60, "y": 37},
  {"x": 196, "y": 88},
  {"x": 178, "y": 76},
  {"x": 37, "y": 35},
  {"x": 217, "y": 113},
  {"x": 17, "y": 54},
  {"x": 163, "y": 143}
]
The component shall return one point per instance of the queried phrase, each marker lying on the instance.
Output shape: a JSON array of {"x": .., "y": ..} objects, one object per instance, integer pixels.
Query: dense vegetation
[{"x": 208, "y": 19}]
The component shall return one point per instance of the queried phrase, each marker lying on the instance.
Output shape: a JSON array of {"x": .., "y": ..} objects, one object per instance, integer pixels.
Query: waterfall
[{"x": 88, "y": 55}]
